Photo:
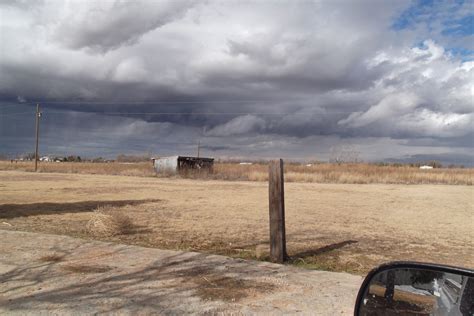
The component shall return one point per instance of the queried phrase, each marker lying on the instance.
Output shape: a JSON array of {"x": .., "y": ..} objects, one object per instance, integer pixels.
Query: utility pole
[
  {"x": 199, "y": 147},
  {"x": 38, "y": 115}
]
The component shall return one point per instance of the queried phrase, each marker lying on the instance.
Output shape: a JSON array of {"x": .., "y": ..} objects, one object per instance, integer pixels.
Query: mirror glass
[{"x": 418, "y": 292}]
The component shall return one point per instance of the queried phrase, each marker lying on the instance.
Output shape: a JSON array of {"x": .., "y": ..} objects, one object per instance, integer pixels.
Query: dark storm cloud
[
  {"x": 109, "y": 25},
  {"x": 245, "y": 78}
]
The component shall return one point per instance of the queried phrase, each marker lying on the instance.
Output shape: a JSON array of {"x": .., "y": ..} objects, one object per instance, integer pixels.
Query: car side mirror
[{"x": 411, "y": 288}]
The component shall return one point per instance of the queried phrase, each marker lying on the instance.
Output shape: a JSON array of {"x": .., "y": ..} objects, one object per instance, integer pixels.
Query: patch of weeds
[
  {"x": 329, "y": 262},
  {"x": 212, "y": 287},
  {"x": 86, "y": 269},
  {"x": 325, "y": 261},
  {"x": 312, "y": 264},
  {"x": 241, "y": 253},
  {"x": 109, "y": 221},
  {"x": 51, "y": 258}
]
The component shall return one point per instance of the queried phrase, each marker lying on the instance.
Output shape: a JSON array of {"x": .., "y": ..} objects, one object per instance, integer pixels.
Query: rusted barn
[{"x": 182, "y": 164}]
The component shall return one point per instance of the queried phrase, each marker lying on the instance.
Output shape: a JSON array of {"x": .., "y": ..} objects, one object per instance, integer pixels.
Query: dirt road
[
  {"x": 50, "y": 274},
  {"x": 338, "y": 227}
]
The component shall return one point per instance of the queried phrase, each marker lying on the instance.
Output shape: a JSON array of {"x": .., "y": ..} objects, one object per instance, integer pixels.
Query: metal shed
[{"x": 182, "y": 164}]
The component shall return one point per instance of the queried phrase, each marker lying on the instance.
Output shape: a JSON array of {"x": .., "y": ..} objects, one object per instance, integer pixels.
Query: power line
[
  {"x": 216, "y": 113},
  {"x": 9, "y": 105},
  {"x": 11, "y": 114},
  {"x": 187, "y": 113},
  {"x": 164, "y": 102}
]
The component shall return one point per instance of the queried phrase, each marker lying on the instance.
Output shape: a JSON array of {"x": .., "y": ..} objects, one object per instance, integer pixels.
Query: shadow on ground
[
  {"x": 170, "y": 284},
  {"x": 18, "y": 210},
  {"x": 322, "y": 250}
]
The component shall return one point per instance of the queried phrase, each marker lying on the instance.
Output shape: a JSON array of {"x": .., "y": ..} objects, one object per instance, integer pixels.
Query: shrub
[{"x": 107, "y": 221}]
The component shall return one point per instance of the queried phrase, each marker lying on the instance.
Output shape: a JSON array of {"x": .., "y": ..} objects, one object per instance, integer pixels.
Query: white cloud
[
  {"x": 427, "y": 123},
  {"x": 425, "y": 92},
  {"x": 130, "y": 70},
  {"x": 237, "y": 126},
  {"x": 389, "y": 107}
]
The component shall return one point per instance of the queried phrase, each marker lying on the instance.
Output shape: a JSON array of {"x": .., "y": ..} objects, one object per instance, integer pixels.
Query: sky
[{"x": 299, "y": 80}]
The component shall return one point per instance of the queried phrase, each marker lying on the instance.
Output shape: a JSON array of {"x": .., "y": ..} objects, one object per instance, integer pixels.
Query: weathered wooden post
[{"x": 276, "y": 193}]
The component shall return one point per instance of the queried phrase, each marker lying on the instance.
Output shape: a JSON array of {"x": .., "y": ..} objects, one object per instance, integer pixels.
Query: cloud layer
[{"x": 247, "y": 78}]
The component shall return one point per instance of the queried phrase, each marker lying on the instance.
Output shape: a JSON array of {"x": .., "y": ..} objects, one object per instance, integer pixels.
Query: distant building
[
  {"x": 426, "y": 167},
  {"x": 46, "y": 159},
  {"x": 182, "y": 164}
]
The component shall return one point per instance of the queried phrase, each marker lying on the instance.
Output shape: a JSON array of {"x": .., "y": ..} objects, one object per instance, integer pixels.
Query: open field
[
  {"x": 339, "y": 227},
  {"x": 359, "y": 173}
]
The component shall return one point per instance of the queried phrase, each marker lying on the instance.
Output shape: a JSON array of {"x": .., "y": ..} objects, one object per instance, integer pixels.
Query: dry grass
[
  {"x": 389, "y": 222},
  {"x": 139, "y": 169},
  {"x": 51, "y": 258},
  {"x": 229, "y": 289},
  {"x": 86, "y": 269},
  {"x": 359, "y": 173},
  {"x": 108, "y": 221}
]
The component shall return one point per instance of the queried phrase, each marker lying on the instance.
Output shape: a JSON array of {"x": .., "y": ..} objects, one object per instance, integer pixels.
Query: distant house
[
  {"x": 46, "y": 159},
  {"x": 426, "y": 167},
  {"x": 182, "y": 164}
]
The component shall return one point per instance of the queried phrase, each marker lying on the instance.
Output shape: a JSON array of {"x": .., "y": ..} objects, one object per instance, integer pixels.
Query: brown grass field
[
  {"x": 358, "y": 173},
  {"x": 338, "y": 227}
]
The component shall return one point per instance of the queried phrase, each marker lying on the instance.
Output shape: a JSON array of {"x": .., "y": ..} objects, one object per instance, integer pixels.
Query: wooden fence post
[{"x": 276, "y": 192}]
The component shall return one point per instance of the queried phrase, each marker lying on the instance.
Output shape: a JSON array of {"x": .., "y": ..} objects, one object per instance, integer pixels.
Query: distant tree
[
  {"x": 434, "y": 164},
  {"x": 98, "y": 159},
  {"x": 73, "y": 159},
  {"x": 28, "y": 156},
  {"x": 344, "y": 154},
  {"x": 133, "y": 158}
]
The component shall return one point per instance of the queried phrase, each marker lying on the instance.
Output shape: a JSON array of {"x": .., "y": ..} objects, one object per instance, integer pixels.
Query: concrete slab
[{"x": 50, "y": 274}]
